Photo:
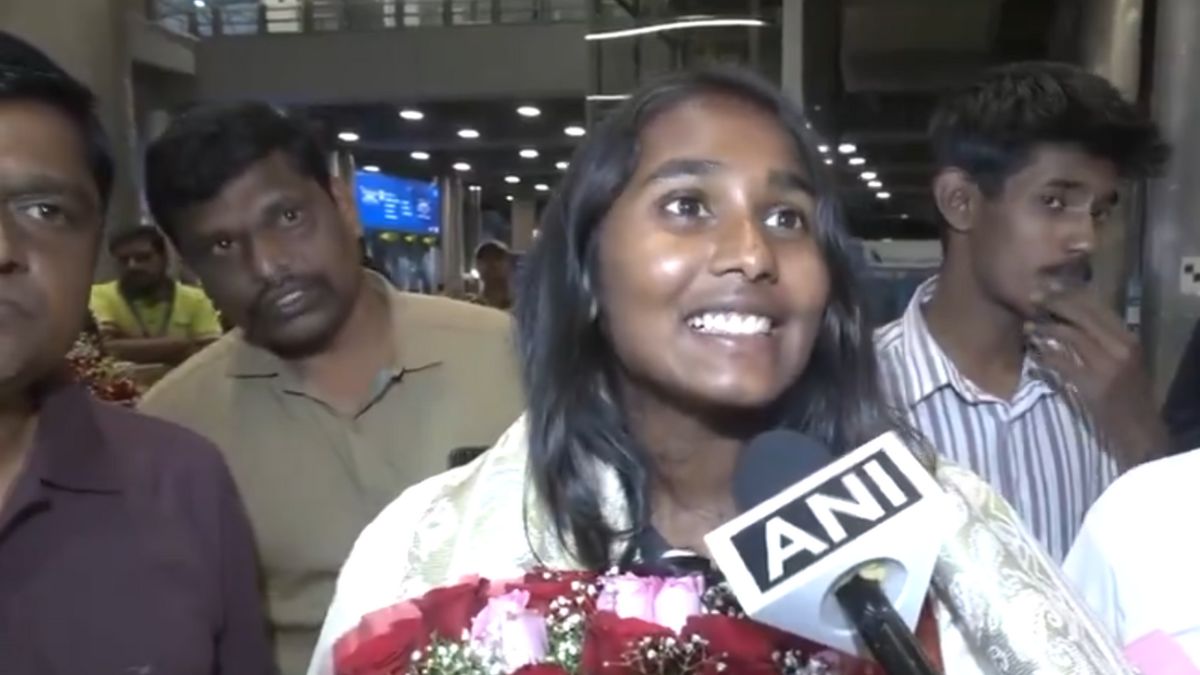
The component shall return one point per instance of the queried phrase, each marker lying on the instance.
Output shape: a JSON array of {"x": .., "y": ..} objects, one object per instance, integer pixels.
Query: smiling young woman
[{"x": 690, "y": 290}]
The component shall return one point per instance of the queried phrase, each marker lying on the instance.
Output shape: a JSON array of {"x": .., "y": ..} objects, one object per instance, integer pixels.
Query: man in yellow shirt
[{"x": 145, "y": 316}]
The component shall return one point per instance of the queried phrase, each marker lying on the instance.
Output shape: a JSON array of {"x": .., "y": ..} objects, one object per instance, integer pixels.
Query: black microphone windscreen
[{"x": 773, "y": 462}]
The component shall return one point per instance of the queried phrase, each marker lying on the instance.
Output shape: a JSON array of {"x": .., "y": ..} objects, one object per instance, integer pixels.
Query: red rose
[
  {"x": 541, "y": 669},
  {"x": 448, "y": 611},
  {"x": 743, "y": 645},
  {"x": 546, "y": 587},
  {"x": 609, "y": 639},
  {"x": 387, "y": 652}
]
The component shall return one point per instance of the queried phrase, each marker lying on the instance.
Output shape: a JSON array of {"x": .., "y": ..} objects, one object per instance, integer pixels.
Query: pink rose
[
  {"x": 665, "y": 602},
  {"x": 677, "y": 601},
  {"x": 487, "y": 626},
  {"x": 629, "y": 596},
  {"x": 506, "y": 628},
  {"x": 524, "y": 641}
]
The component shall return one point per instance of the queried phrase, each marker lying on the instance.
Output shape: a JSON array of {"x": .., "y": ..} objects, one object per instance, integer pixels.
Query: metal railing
[{"x": 234, "y": 17}]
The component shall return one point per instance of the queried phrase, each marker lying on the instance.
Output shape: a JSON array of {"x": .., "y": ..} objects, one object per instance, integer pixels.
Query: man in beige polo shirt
[{"x": 335, "y": 392}]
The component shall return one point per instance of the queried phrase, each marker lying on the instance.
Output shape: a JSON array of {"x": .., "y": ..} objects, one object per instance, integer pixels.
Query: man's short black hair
[
  {"x": 140, "y": 233},
  {"x": 990, "y": 127},
  {"x": 26, "y": 73},
  {"x": 206, "y": 148}
]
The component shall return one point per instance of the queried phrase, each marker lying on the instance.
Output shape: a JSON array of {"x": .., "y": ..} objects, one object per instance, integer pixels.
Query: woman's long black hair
[{"x": 574, "y": 416}]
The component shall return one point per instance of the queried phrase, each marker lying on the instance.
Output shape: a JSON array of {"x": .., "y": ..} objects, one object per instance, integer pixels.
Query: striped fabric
[{"x": 1040, "y": 450}]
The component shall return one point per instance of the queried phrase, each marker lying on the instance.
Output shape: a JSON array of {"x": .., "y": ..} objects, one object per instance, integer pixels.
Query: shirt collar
[
  {"x": 412, "y": 351},
  {"x": 928, "y": 366},
  {"x": 931, "y": 370},
  {"x": 70, "y": 449}
]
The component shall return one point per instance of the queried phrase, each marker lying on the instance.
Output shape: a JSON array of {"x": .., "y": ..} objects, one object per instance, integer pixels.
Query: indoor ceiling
[
  {"x": 388, "y": 141},
  {"x": 873, "y": 71}
]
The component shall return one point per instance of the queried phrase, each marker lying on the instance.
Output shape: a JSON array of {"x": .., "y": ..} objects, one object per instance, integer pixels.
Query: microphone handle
[{"x": 881, "y": 628}]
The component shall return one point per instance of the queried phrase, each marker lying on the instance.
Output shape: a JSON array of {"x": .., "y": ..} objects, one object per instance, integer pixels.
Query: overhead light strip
[{"x": 698, "y": 22}]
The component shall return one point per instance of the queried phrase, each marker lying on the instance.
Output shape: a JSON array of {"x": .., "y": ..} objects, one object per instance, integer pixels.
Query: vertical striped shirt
[{"x": 1041, "y": 449}]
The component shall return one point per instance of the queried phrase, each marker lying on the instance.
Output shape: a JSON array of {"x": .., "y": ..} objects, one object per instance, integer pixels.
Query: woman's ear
[{"x": 958, "y": 199}]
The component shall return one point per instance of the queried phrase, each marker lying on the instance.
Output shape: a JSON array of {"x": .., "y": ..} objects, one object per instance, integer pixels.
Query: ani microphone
[{"x": 841, "y": 551}]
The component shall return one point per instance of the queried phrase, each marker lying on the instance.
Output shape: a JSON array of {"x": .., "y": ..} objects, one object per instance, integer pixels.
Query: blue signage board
[{"x": 393, "y": 203}]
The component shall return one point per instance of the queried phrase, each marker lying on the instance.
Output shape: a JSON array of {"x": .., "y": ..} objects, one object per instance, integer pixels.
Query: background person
[
  {"x": 145, "y": 316},
  {"x": 336, "y": 392}
]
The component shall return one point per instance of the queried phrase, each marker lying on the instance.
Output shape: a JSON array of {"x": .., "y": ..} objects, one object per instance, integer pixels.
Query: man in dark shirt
[
  {"x": 124, "y": 547},
  {"x": 1181, "y": 412}
]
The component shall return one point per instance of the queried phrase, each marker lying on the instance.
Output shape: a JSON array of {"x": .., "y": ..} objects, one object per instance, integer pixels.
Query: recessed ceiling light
[
  {"x": 199, "y": 4},
  {"x": 468, "y": 133},
  {"x": 822, "y": 148},
  {"x": 512, "y": 180},
  {"x": 829, "y": 161},
  {"x": 528, "y": 111},
  {"x": 529, "y": 153},
  {"x": 562, "y": 166},
  {"x": 575, "y": 131},
  {"x": 412, "y": 115},
  {"x": 856, "y": 161},
  {"x": 462, "y": 166},
  {"x": 348, "y": 136},
  {"x": 508, "y": 198},
  {"x": 847, "y": 148},
  {"x": 883, "y": 195},
  {"x": 419, "y": 155},
  {"x": 875, "y": 184},
  {"x": 868, "y": 175},
  {"x": 371, "y": 168},
  {"x": 475, "y": 188},
  {"x": 541, "y": 187}
]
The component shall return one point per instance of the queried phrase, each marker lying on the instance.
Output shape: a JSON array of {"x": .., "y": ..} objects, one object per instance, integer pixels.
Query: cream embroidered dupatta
[{"x": 1003, "y": 606}]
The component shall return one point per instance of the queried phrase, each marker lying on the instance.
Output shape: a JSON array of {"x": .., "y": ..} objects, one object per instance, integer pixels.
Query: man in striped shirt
[{"x": 1004, "y": 360}]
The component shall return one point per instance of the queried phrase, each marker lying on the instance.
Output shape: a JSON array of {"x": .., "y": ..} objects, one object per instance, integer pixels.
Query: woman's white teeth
[{"x": 730, "y": 323}]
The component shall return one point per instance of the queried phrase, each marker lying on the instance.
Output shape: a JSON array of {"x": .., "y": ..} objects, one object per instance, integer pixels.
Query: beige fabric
[
  {"x": 313, "y": 479},
  {"x": 482, "y": 519}
]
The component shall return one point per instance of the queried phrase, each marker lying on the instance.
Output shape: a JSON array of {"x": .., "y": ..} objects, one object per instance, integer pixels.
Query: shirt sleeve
[
  {"x": 206, "y": 322},
  {"x": 243, "y": 643},
  {"x": 1089, "y": 567}
]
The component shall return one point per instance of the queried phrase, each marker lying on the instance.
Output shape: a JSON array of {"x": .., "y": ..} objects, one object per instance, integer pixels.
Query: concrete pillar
[
  {"x": 792, "y": 37},
  {"x": 452, "y": 267},
  {"x": 524, "y": 223},
  {"x": 1172, "y": 231},
  {"x": 472, "y": 224},
  {"x": 341, "y": 170},
  {"x": 87, "y": 38},
  {"x": 1110, "y": 41}
]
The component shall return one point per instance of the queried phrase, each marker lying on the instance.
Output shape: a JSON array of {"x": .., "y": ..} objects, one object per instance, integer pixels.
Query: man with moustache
[
  {"x": 1005, "y": 361},
  {"x": 145, "y": 316},
  {"x": 335, "y": 392},
  {"x": 123, "y": 545}
]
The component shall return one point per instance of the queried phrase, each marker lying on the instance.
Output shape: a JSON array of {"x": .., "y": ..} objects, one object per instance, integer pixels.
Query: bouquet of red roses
[{"x": 553, "y": 623}]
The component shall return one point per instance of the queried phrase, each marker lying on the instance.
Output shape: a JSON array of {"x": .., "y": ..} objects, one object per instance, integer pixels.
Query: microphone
[{"x": 839, "y": 552}]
